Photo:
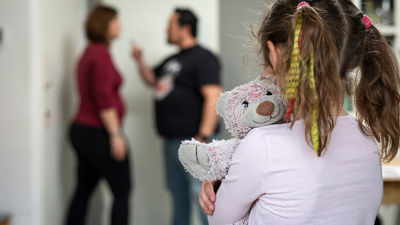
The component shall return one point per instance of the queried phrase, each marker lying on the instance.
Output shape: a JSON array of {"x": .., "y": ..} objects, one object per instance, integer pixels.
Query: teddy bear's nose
[{"x": 265, "y": 108}]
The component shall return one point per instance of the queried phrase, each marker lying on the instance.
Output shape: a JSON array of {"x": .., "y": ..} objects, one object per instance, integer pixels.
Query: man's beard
[{"x": 173, "y": 42}]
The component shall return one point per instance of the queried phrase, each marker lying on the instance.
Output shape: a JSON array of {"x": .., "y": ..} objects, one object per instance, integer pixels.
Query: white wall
[
  {"x": 36, "y": 63},
  {"x": 17, "y": 144},
  {"x": 61, "y": 37}
]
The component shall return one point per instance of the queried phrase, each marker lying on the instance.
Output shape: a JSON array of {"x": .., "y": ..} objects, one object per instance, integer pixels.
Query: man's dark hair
[{"x": 186, "y": 17}]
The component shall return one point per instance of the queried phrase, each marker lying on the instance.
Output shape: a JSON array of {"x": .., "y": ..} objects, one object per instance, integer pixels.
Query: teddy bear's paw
[{"x": 195, "y": 159}]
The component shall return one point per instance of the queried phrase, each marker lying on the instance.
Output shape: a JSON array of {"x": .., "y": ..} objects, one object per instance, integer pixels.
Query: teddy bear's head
[{"x": 255, "y": 104}]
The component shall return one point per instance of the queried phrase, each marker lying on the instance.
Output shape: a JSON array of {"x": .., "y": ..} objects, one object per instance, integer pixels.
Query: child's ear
[{"x": 273, "y": 56}]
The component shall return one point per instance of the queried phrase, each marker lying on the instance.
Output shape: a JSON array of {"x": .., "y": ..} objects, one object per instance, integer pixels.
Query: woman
[
  {"x": 323, "y": 166},
  {"x": 96, "y": 132}
]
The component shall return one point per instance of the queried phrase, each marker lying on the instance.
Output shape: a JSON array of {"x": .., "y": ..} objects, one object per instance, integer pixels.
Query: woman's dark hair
[
  {"x": 341, "y": 42},
  {"x": 186, "y": 17},
  {"x": 96, "y": 25}
]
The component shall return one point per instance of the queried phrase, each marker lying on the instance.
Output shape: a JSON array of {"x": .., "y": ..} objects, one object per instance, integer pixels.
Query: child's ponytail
[
  {"x": 318, "y": 95},
  {"x": 377, "y": 96}
]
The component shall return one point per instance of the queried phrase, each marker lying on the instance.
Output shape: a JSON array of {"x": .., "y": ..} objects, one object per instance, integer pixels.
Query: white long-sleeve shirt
[{"x": 288, "y": 183}]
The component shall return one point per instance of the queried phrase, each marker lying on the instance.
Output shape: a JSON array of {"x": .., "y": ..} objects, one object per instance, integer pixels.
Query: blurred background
[{"x": 40, "y": 43}]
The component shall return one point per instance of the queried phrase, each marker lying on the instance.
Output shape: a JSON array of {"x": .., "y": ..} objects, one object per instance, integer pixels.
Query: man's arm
[
  {"x": 145, "y": 71},
  {"x": 209, "y": 118}
]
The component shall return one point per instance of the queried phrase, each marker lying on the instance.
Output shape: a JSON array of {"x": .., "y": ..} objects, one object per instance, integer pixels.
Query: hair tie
[
  {"x": 302, "y": 4},
  {"x": 366, "y": 21}
]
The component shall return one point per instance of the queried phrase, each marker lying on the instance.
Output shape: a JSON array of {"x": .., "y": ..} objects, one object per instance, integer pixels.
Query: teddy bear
[{"x": 255, "y": 104}]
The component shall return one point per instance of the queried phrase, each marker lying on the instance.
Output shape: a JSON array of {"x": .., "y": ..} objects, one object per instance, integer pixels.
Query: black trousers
[{"x": 95, "y": 162}]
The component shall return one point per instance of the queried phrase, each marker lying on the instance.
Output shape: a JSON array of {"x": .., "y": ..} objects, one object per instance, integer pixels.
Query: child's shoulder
[
  {"x": 272, "y": 129},
  {"x": 343, "y": 122}
]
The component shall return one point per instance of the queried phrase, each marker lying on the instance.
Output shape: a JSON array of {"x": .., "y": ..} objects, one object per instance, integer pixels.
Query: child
[{"x": 323, "y": 166}]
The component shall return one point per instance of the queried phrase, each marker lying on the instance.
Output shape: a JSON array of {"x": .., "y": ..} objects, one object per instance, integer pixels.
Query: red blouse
[{"x": 98, "y": 83}]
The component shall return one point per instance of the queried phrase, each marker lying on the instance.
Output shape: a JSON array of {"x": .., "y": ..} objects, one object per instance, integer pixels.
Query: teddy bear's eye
[
  {"x": 269, "y": 93},
  {"x": 245, "y": 104}
]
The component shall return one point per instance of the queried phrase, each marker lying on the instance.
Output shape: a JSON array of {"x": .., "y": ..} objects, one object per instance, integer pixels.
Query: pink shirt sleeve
[{"x": 244, "y": 182}]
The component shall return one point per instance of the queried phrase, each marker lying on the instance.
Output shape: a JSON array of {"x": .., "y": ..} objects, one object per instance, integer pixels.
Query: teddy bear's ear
[{"x": 222, "y": 101}]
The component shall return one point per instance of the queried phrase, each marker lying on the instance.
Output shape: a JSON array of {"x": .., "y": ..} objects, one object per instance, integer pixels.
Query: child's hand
[{"x": 207, "y": 196}]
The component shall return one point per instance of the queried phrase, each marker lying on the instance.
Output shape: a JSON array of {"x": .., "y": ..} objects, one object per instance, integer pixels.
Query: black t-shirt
[{"x": 178, "y": 100}]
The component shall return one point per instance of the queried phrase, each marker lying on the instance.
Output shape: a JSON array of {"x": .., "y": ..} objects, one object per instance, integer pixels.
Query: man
[{"x": 187, "y": 86}]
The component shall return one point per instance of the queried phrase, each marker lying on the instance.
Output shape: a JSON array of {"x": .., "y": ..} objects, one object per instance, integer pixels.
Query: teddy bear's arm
[{"x": 207, "y": 161}]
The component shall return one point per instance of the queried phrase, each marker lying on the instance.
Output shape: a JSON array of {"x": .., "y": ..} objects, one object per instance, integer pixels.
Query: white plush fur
[
  {"x": 238, "y": 108},
  {"x": 210, "y": 162}
]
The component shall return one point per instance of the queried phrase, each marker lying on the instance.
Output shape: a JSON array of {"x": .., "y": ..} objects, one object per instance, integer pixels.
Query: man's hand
[
  {"x": 146, "y": 72},
  {"x": 137, "y": 53},
  {"x": 202, "y": 138}
]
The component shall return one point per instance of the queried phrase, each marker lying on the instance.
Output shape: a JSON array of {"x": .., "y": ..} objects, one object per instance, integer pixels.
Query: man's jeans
[{"x": 184, "y": 188}]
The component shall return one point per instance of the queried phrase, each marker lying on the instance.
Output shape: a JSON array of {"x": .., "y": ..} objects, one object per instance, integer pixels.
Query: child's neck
[{"x": 343, "y": 113}]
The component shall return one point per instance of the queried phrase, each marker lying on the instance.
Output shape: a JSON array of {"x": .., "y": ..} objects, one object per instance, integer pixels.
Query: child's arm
[{"x": 244, "y": 182}]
